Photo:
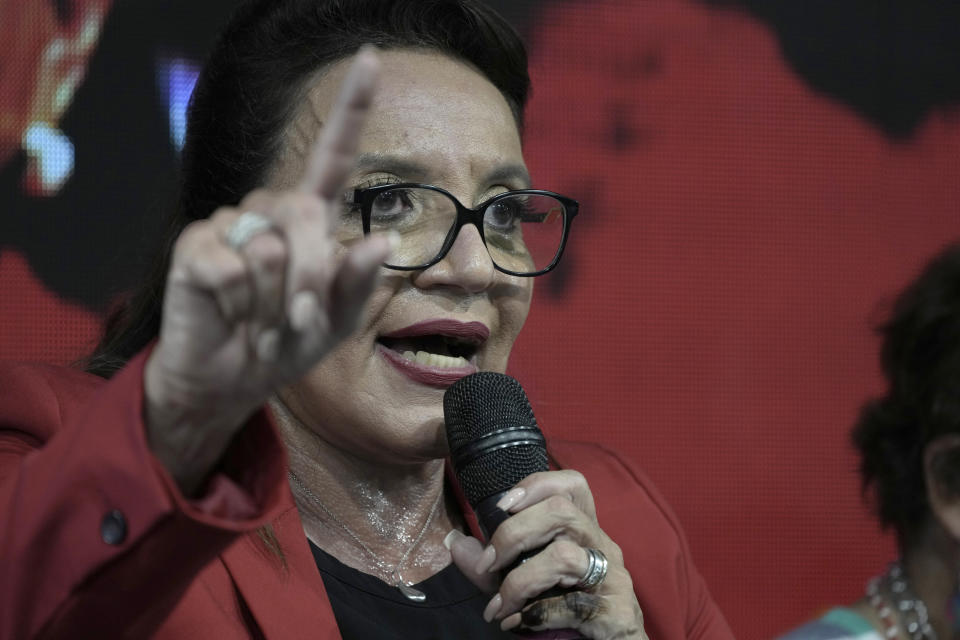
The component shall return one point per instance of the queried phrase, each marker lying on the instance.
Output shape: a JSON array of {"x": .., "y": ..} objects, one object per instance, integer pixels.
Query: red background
[{"x": 740, "y": 234}]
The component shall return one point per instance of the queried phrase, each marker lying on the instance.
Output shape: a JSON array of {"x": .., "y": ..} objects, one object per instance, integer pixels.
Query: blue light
[
  {"x": 177, "y": 78},
  {"x": 51, "y": 155}
]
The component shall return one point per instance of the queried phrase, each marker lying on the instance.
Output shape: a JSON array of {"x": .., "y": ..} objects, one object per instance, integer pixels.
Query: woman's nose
[{"x": 466, "y": 266}]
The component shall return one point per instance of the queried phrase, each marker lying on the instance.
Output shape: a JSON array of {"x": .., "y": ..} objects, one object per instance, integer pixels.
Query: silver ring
[
  {"x": 596, "y": 570},
  {"x": 245, "y": 227}
]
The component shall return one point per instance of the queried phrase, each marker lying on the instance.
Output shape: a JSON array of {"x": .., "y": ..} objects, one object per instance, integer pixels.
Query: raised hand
[
  {"x": 553, "y": 510},
  {"x": 256, "y": 295}
]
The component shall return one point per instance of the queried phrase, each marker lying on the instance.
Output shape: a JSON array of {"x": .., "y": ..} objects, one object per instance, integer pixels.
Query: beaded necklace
[{"x": 891, "y": 592}]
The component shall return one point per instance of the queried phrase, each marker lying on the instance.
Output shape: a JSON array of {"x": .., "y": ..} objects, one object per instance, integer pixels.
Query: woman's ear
[{"x": 941, "y": 469}]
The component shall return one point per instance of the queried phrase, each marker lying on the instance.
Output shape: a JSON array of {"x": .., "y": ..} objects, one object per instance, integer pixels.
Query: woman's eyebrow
[
  {"x": 416, "y": 172},
  {"x": 400, "y": 167},
  {"x": 508, "y": 173}
]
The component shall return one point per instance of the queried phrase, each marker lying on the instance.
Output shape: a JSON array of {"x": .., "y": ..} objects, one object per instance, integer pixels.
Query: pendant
[{"x": 410, "y": 593}]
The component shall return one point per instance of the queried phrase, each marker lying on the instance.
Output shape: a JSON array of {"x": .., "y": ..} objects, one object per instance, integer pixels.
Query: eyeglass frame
[{"x": 364, "y": 199}]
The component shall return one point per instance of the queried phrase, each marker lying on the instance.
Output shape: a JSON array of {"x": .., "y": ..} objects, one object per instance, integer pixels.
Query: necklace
[
  {"x": 406, "y": 588},
  {"x": 892, "y": 587}
]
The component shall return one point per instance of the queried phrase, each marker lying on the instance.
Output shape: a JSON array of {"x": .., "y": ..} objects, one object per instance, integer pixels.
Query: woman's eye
[
  {"x": 390, "y": 203},
  {"x": 503, "y": 215},
  {"x": 385, "y": 202}
]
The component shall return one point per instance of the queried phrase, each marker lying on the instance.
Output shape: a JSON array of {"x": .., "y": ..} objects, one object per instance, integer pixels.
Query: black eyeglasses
[{"x": 524, "y": 231}]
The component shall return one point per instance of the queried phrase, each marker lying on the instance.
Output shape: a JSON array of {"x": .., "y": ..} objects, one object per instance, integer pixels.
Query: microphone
[{"x": 495, "y": 443}]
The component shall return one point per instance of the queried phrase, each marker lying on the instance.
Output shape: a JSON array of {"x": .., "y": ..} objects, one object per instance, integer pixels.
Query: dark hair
[
  {"x": 251, "y": 86},
  {"x": 921, "y": 361}
]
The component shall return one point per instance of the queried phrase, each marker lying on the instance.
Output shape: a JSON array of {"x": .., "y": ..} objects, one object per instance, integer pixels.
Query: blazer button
[{"x": 113, "y": 528}]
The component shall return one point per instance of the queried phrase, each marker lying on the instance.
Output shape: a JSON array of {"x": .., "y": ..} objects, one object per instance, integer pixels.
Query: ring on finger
[
  {"x": 596, "y": 570},
  {"x": 248, "y": 225}
]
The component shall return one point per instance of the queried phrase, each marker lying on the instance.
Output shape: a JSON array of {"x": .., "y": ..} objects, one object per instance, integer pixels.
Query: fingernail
[
  {"x": 304, "y": 309},
  {"x": 368, "y": 50},
  {"x": 511, "y": 498},
  {"x": 510, "y": 622},
  {"x": 487, "y": 559},
  {"x": 268, "y": 345},
  {"x": 493, "y": 608},
  {"x": 452, "y": 537}
]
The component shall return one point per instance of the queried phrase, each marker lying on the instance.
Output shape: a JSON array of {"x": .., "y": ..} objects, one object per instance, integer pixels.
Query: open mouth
[{"x": 434, "y": 350}]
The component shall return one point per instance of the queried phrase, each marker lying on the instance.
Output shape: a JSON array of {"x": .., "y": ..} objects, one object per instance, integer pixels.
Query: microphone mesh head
[{"x": 481, "y": 404}]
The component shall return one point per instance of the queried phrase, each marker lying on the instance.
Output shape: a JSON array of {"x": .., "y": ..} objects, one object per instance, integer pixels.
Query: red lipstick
[
  {"x": 432, "y": 376},
  {"x": 472, "y": 333},
  {"x": 475, "y": 332}
]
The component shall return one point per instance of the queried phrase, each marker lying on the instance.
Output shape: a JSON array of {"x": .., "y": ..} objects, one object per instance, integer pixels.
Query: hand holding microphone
[{"x": 541, "y": 525}]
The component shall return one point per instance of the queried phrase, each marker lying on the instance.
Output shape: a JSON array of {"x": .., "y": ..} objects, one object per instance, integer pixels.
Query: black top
[{"x": 368, "y": 608}]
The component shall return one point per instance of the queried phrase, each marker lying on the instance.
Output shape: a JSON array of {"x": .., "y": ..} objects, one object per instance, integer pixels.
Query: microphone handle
[{"x": 490, "y": 517}]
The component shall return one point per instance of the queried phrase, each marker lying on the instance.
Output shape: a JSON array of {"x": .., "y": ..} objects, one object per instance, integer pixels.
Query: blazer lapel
[{"x": 286, "y": 601}]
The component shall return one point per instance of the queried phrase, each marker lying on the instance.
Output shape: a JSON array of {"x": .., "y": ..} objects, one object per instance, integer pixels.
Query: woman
[
  {"x": 161, "y": 503},
  {"x": 909, "y": 443}
]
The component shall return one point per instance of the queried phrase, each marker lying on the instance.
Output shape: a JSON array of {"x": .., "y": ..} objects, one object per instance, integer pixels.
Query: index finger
[
  {"x": 541, "y": 485},
  {"x": 333, "y": 156}
]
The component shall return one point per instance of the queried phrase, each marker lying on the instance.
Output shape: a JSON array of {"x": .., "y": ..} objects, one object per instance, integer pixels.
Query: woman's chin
[{"x": 402, "y": 439}]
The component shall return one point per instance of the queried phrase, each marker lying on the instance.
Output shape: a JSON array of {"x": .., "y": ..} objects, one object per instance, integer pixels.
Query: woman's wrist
[{"x": 187, "y": 434}]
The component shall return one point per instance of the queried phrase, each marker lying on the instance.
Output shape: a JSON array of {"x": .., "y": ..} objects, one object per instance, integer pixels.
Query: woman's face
[{"x": 435, "y": 121}]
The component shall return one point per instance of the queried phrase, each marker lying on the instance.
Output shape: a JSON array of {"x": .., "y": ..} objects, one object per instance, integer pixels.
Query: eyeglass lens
[{"x": 523, "y": 232}]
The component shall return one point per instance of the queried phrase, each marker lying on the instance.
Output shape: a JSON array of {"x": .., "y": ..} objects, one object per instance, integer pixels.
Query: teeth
[{"x": 434, "y": 359}]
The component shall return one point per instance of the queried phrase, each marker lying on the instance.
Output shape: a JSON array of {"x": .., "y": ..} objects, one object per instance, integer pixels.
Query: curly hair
[{"x": 921, "y": 362}]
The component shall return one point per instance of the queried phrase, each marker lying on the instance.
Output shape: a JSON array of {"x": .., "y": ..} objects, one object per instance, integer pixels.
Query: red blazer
[{"x": 97, "y": 542}]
